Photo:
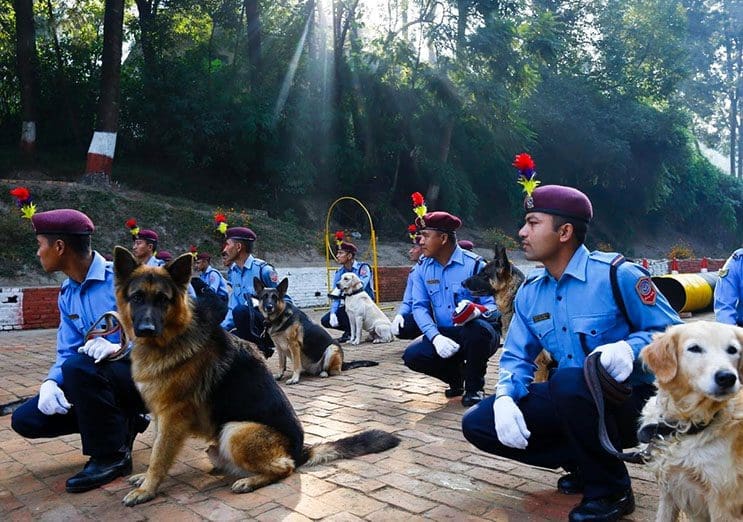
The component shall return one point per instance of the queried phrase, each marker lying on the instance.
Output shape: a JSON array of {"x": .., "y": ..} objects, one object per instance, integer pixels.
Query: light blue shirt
[
  {"x": 215, "y": 280},
  {"x": 80, "y": 306},
  {"x": 407, "y": 298},
  {"x": 364, "y": 271},
  {"x": 241, "y": 281},
  {"x": 571, "y": 317},
  {"x": 729, "y": 290},
  {"x": 153, "y": 261},
  {"x": 439, "y": 289}
]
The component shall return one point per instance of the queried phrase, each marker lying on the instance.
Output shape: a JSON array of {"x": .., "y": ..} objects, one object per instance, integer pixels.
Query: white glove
[
  {"x": 99, "y": 348},
  {"x": 466, "y": 311},
  {"x": 617, "y": 358},
  {"x": 510, "y": 425},
  {"x": 52, "y": 399},
  {"x": 397, "y": 323},
  {"x": 333, "y": 320},
  {"x": 445, "y": 347}
]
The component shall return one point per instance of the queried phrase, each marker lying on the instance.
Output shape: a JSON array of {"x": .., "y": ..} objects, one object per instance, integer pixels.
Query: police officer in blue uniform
[
  {"x": 145, "y": 247},
  {"x": 89, "y": 388},
  {"x": 729, "y": 290},
  {"x": 457, "y": 340},
  {"x": 211, "y": 276},
  {"x": 403, "y": 324},
  {"x": 337, "y": 317},
  {"x": 571, "y": 308},
  {"x": 242, "y": 314}
]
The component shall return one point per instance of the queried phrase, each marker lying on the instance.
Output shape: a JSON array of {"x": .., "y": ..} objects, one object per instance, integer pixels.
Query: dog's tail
[
  {"x": 358, "y": 364},
  {"x": 370, "y": 441}
]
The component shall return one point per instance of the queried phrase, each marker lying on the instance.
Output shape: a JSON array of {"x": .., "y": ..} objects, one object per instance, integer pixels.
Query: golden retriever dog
[
  {"x": 695, "y": 421},
  {"x": 363, "y": 313}
]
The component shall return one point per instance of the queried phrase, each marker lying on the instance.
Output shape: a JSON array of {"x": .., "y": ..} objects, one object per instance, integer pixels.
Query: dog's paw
[
  {"x": 378, "y": 340},
  {"x": 293, "y": 380},
  {"x": 243, "y": 485},
  {"x": 323, "y": 374},
  {"x": 138, "y": 496},
  {"x": 278, "y": 376},
  {"x": 136, "y": 480},
  {"x": 356, "y": 342}
]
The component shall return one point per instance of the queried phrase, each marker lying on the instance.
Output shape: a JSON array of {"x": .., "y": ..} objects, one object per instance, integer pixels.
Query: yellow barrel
[{"x": 687, "y": 292}]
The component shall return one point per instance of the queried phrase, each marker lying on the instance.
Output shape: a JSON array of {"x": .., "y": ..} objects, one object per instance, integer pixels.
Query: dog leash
[
  {"x": 111, "y": 324},
  {"x": 602, "y": 386}
]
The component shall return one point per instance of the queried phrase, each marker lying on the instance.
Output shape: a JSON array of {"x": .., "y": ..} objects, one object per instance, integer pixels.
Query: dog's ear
[
  {"x": 124, "y": 264},
  {"x": 660, "y": 356},
  {"x": 501, "y": 261},
  {"x": 283, "y": 286},
  {"x": 180, "y": 269},
  {"x": 258, "y": 285}
]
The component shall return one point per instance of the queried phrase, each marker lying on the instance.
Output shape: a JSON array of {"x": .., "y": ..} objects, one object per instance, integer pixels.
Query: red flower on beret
[
  {"x": 412, "y": 229},
  {"x": 131, "y": 223},
  {"x": 219, "y": 218},
  {"x": 20, "y": 193},
  {"x": 193, "y": 249},
  {"x": 339, "y": 235},
  {"x": 524, "y": 163},
  {"x": 417, "y": 199}
]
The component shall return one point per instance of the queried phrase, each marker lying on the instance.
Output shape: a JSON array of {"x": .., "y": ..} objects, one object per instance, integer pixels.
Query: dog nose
[
  {"x": 725, "y": 379},
  {"x": 145, "y": 329}
]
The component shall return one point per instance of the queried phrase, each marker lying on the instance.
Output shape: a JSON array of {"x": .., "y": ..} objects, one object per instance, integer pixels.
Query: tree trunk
[
  {"x": 103, "y": 144},
  {"x": 462, "y": 6},
  {"x": 27, "y": 63},
  {"x": 732, "y": 90},
  {"x": 432, "y": 194},
  {"x": 252, "y": 14},
  {"x": 147, "y": 12}
]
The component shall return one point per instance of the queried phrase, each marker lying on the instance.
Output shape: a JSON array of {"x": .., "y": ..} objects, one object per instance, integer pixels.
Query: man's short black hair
[
  {"x": 78, "y": 243},
  {"x": 247, "y": 244},
  {"x": 580, "y": 228}
]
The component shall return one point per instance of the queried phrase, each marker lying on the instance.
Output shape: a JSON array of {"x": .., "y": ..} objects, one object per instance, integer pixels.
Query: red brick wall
[
  {"x": 692, "y": 266},
  {"x": 392, "y": 280},
  {"x": 40, "y": 307}
]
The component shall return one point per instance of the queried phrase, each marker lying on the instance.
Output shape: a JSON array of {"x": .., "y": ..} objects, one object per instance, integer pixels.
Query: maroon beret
[
  {"x": 348, "y": 247},
  {"x": 559, "y": 200},
  {"x": 62, "y": 221},
  {"x": 441, "y": 221},
  {"x": 204, "y": 255},
  {"x": 164, "y": 255},
  {"x": 147, "y": 235},
  {"x": 242, "y": 233},
  {"x": 466, "y": 244}
]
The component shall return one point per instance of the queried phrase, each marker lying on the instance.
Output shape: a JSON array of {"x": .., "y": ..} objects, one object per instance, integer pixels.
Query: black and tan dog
[
  {"x": 501, "y": 279},
  {"x": 198, "y": 380},
  {"x": 309, "y": 346}
]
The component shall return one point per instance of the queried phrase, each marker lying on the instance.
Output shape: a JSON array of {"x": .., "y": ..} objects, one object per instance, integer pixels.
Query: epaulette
[
  {"x": 534, "y": 273},
  {"x": 472, "y": 255},
  {"x": 738, "y": 254},
  {"x": 65, "y": 285},
  {"x": 259, "y": 262},
  {"x": 609, "y": 258}
]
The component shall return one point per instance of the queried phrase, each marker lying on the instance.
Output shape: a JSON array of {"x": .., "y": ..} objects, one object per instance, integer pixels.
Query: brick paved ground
[{"x": 434, "y": 474}]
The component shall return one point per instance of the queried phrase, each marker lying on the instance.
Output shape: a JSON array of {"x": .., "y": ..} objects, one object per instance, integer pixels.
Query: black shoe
[
  {"x": 344, "y": 338},
  {"x": 137, "y": 424},
  {"x": 472, "y": 398},
  {"x": 571, "y": 484},
  {"x": 99, "y": 471},
  {"x": 605, "y": 509},
  {"x": 453, "y": 391}
]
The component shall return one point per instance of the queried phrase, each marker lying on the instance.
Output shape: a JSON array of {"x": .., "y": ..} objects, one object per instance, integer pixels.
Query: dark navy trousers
[
  {"x": 105, "y": 407},
  {"x": 249, "y": 326},
  {"x": 409, "y": 328},
  {"x": 343, "y": 321},
  {"x": 563, "y": 421},
  {"x": 478, "y": 341}
]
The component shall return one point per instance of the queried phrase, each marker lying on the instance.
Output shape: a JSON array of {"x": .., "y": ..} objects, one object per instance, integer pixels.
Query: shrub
[
  {"x": 495, "y": 236},
  {"x": 681, "y": 250}
]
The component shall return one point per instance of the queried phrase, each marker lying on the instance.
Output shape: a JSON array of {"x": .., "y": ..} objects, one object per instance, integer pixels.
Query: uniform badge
[
  {"x": 541, "y": 317},
  {"x": 433, "y": 282},
  {"x": 363, "y": 271},
  {"x": 529, "y": 202},
  {"x": 274, "y": 277},
  {"x": 722, "y": 272},
  {"x": 646, "y": 290}
]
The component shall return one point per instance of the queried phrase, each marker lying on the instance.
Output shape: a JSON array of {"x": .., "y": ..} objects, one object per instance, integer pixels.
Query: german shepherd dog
[
  {"x": 501, "y": 279},
  {"x": 198, "y": 380},
  {"x": 309, "y": 346}
]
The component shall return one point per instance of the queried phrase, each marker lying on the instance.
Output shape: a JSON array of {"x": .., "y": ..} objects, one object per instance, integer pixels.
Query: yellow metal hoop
[{"x": 330, "y": 252}]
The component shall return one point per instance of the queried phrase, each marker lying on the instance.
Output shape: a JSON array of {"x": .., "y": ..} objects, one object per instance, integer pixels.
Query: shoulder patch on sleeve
[
  {"x": 274, "y": 276},
  {"x": 364, "y": 270},
  {"x": 646, "y": 290}
]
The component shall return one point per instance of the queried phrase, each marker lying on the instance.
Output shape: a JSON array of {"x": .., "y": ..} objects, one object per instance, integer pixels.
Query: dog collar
[
  {"x": 663, "y": 429},
  {"x": 356, "y": 292}
]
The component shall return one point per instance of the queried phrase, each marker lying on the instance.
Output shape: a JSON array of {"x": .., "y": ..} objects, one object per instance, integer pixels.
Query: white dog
[
  {"x": 699, "y": 462},
  {"x": 363, "y": 313}
]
